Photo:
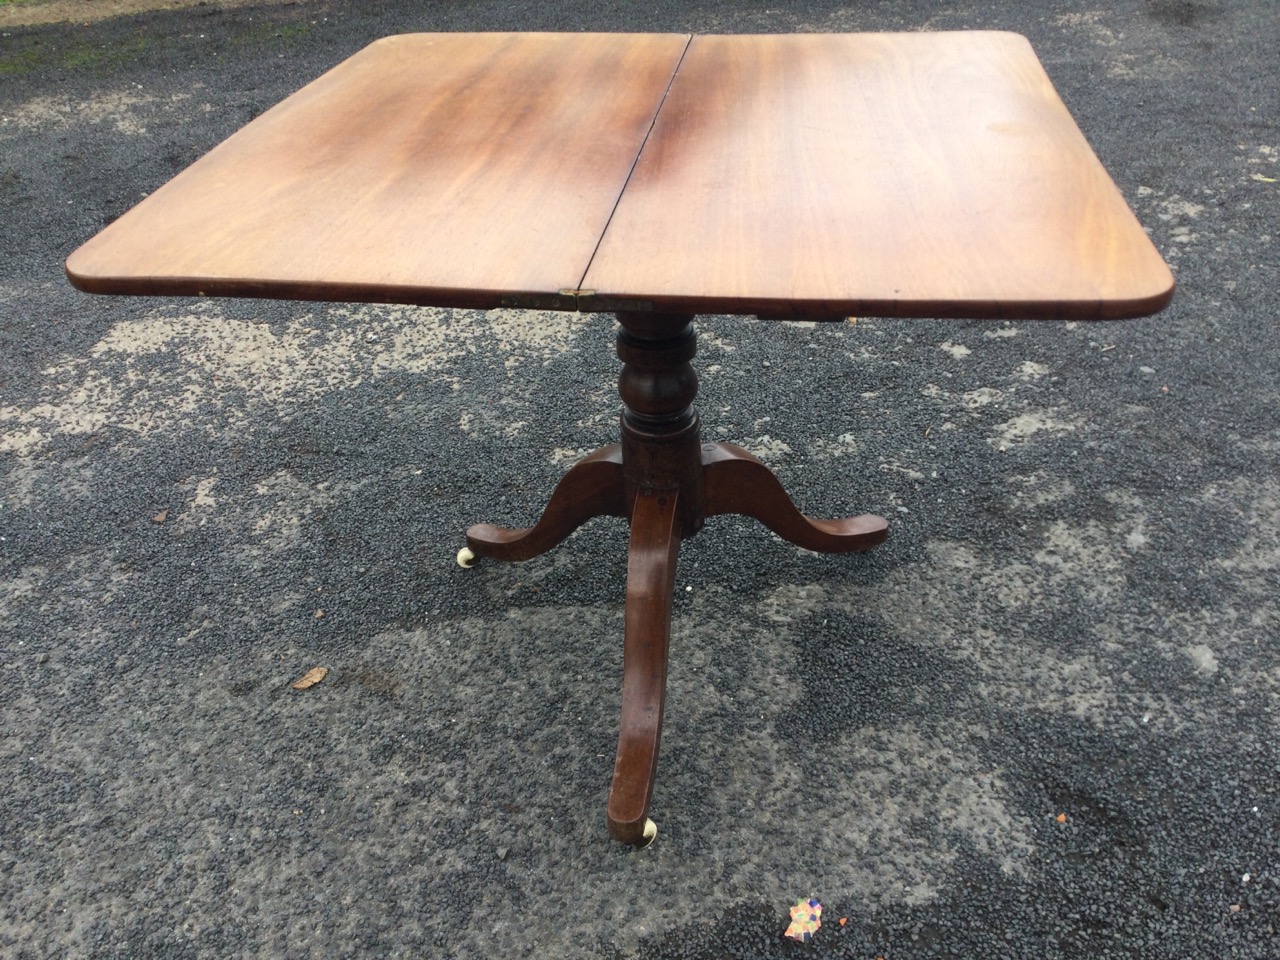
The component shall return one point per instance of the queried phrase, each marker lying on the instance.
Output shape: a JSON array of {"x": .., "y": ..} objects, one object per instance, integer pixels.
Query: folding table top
[{"x": 922, "y": 174}]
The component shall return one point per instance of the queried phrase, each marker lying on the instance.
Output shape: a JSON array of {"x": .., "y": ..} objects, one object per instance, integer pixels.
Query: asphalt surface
[{"x": 1041, "y": 721}]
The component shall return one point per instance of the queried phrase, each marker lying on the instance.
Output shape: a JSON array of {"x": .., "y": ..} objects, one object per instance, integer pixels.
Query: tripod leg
[
  {"x": 651, "y": 574},
  {"x": 736, "y": 482},
  {"x": 593, "y": 487}
]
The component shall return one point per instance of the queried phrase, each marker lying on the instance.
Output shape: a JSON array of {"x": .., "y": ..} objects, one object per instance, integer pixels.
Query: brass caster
[{"x": 466, "y": 559}]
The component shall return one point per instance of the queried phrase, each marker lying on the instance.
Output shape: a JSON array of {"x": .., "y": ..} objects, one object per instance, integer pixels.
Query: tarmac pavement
[{"x": 1040, "y": 721}]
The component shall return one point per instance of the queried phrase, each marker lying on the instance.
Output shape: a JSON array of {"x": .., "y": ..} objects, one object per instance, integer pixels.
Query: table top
[{"x": 806, "y": 176}]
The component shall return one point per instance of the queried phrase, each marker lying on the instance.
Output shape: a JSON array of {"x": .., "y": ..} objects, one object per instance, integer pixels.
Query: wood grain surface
[
  {"x": 922, "y": 174},
  {"x": 815, "y": 176},
  {"x": 447, "y": 169}
]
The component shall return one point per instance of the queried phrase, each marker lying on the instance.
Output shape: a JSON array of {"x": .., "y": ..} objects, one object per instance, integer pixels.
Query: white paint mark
[
  {"x": 1136, "y": 540},
  {"x": 207, "y": 356},
  {"x": 767, "y": 448},
  {"x": 896, "y": 467},
  {"x": 1025, "y": 426},
  {"x": 1204, "y": 658},
  {"x": 843, "y": 445},
  {"x": 204, "y": 496},
  {"x": 981, "y": 397}
]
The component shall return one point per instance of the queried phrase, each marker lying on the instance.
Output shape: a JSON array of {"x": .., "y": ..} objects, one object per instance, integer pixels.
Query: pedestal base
[{"x": 665, "y": 483}]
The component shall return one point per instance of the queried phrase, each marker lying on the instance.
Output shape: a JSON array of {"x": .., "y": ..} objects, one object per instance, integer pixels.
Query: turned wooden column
[{"x": 661, "y": 438}]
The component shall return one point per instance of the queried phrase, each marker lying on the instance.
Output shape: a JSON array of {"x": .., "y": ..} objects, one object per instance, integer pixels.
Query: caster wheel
[
  {"x": 650, "y": 831},
  {"x": 466, "y": 559}
]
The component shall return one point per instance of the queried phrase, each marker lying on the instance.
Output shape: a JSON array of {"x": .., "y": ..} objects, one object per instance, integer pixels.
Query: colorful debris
[{"x": 806, "y": 918}]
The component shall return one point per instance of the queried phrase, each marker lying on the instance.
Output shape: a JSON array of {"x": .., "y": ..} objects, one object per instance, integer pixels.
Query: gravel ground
[{"x": 1041, "y": 721}]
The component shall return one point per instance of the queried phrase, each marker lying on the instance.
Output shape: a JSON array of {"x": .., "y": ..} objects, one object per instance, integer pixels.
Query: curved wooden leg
[
  {"x": 736, "y": 482},
  {"x": 651, "y": 574},
  {"x": 593, "y": 487}
]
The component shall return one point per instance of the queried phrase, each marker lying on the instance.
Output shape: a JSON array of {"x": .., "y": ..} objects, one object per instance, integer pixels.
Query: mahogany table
[{"x": 657, "y": 177}]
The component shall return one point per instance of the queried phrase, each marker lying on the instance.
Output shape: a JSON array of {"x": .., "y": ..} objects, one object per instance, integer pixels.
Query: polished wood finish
[
  {"x": 920, "y": 174},
  {"x": 657, "y": 177},
  {"x": 666, "y": 482},
  {"x": 651, "y": 577},
  {"x": 471, "y": 170},
  {"x": 593, "y": 487},
  {"x": 736, "y": 482},
  {"x": 661, "y": 449}
]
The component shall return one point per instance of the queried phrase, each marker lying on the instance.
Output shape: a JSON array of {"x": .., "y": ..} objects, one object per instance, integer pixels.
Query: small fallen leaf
[
  {"x": 160, "y": 517},
  {"x": 1235, "y": 908},
  {"x": 843, "y": 921},
  {"x": 310, "y": 678},
  {"x": 1062, "y": 818},
  {"x": 319, "y": 614}
]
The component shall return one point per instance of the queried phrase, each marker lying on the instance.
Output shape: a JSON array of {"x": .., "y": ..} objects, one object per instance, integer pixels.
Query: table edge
[
  {"x": 590, "y": 301},
  {"x": 321, "y": 292}
]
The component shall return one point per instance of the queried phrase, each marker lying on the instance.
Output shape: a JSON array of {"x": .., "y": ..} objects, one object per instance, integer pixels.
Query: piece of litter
[
  {"x": 1261, "y": 179},
  {"x": 843, "y": 921},
  {"x": 806, "y": 918},
  {"x": 160, "y": 517},
  {"x": 310, "y": 678},
  {"x": 1062, "y": 818},
  {"x": 1235, "y": 908},
  {"x": 319, "y": 614}
]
